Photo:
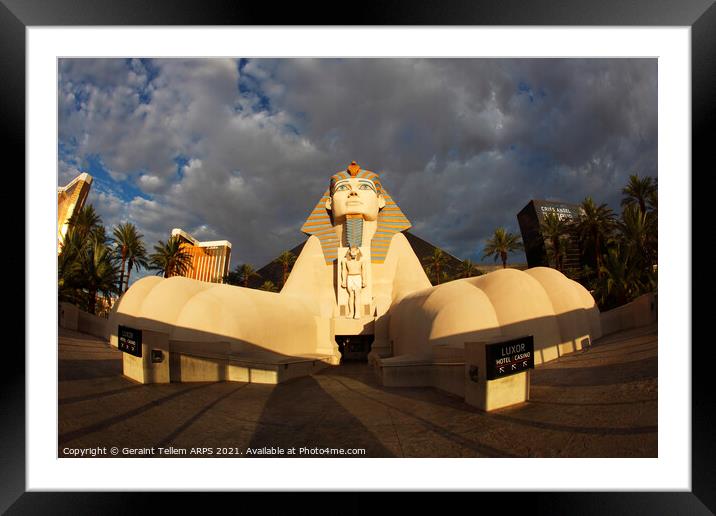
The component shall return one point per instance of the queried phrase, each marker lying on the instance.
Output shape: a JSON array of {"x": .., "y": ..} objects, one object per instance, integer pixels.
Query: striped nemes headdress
[{"x": 390, "y": 219}]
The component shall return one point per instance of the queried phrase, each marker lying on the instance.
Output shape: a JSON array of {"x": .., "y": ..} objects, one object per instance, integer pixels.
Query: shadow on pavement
[
  {"x": 319, "y": 421},
  {"x": 86, "y": 369},
  {"x": 77, "y": 399},
  {"x": 106, "y": 423},
  {"x": 608, "y": 374},
  {"x": 169, "y": 439}
]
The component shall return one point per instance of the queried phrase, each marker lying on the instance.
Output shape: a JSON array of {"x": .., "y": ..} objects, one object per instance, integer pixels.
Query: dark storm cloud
[
  {"x": 467, "y": 143},
  {"x": 461, "y": 144}
]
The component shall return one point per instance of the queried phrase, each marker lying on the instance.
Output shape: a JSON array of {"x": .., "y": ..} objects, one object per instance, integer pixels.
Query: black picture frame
[{"x": 700, "y": 15}]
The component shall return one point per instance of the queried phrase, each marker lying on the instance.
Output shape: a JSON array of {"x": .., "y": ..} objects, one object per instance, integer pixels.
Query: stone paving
[{"x": 601, "y": 402}]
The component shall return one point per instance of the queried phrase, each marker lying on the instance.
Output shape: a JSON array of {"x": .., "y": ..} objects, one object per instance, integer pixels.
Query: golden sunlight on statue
[
  {"x": 358, "y": 275},
  {"x": 353, "y": 280}
]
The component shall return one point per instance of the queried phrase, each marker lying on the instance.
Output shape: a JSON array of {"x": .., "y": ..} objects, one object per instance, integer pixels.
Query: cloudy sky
[{"x": 241, "y": 149}]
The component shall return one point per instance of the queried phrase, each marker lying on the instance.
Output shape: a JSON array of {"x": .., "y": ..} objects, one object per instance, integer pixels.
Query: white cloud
[
  {"x": 150, "y": 183},
  {"x": 66, "y": 172},
  {"x": 462, "y": 144}
]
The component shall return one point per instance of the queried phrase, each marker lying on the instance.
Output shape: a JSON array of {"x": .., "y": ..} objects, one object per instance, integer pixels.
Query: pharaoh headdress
[{"x": 390, "y": 219}]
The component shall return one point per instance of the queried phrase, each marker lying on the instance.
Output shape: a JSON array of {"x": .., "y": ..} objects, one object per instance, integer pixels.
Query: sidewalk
[{"x": 601, "y": 402}]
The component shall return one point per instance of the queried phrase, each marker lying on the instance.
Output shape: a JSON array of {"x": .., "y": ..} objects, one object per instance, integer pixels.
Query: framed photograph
[{"x": 237, "y": 142}]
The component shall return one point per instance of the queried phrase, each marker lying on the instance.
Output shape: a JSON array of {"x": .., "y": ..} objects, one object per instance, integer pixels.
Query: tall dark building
[{"x": 530, "y": 219}]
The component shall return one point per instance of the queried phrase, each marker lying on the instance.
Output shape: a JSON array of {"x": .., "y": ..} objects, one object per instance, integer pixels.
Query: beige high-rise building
[
  {"x": 70, "y": 199},
  {"x": 209, "y": 260}
]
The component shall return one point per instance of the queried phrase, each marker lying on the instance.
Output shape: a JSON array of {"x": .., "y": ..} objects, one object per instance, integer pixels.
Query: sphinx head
[{"x": 355, "y": 194}]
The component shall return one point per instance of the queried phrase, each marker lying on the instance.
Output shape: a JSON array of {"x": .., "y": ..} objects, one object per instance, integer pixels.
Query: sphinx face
[{"x": 355, "y": 196}]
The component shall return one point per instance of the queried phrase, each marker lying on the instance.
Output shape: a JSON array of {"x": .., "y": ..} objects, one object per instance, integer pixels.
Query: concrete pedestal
[
  {"x": 143, "y": 369},
  {"x": 487, "y": 394}
]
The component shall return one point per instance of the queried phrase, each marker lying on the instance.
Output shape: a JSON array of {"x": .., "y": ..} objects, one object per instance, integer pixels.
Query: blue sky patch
[
  {"x": 518, "y": 129},
  {"x": 181, "y": 162},
  {"x": 126, "y": 190}
]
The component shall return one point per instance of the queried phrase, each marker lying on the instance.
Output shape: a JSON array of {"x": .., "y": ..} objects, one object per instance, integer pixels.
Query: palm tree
[
  {"x": 554, "y": 231},
  {"x": 128, "y": 243},
  {"x": 86, "y": 265},
  {"x": 638, "y": 236},
  {"x": 639, "y": 191},
  {"x": 652, "y": 200},
  {"x": 638, "y": 233},
  {"x": 86, "y": 221},
  {"x": 98, "y": 271},
  {"x": 241, "y": 275},
  {"x": 246, "y": 272},
  {"x": 594, "y": 228},
  {"x": 232, "y": 278},
  {"x": 170, "y": 258},
  {"x": 501, "y": 244},
  {"x": 468, "y": 269},
  {"x": 69, "y": 267},
  {"x": 435, "y": 263},
  {"x": 429, "y": 273},
  {"x": 613, "y": 282},
  {"x": 286, "y": 259},
  {"x": 622, "y": 278},
  {"x": 268, "y": 286},
  {"x": 138, "y": 259}
]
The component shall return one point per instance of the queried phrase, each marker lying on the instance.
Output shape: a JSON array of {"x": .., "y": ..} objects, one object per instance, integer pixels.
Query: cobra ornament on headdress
[{"x": 391, "y": 219}]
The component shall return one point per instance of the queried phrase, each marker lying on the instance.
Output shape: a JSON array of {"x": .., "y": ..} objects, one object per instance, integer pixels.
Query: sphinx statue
[{"x": 358, "y": 275}]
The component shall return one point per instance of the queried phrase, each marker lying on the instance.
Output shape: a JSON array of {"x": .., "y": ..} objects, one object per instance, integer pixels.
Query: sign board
[
  {"x": 129, "y": 340},
  {"x": 509, "y": 357}
]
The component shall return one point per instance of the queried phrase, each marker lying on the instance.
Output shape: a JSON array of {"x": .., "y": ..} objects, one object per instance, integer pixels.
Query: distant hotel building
[
  {"x": 530, "y": 219},
  {"x": 209, "y": 260},
  {"x": 70, "y": 200}
]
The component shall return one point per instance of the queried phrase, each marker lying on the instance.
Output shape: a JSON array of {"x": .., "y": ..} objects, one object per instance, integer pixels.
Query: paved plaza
[{"x": 601, "y": 402}]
